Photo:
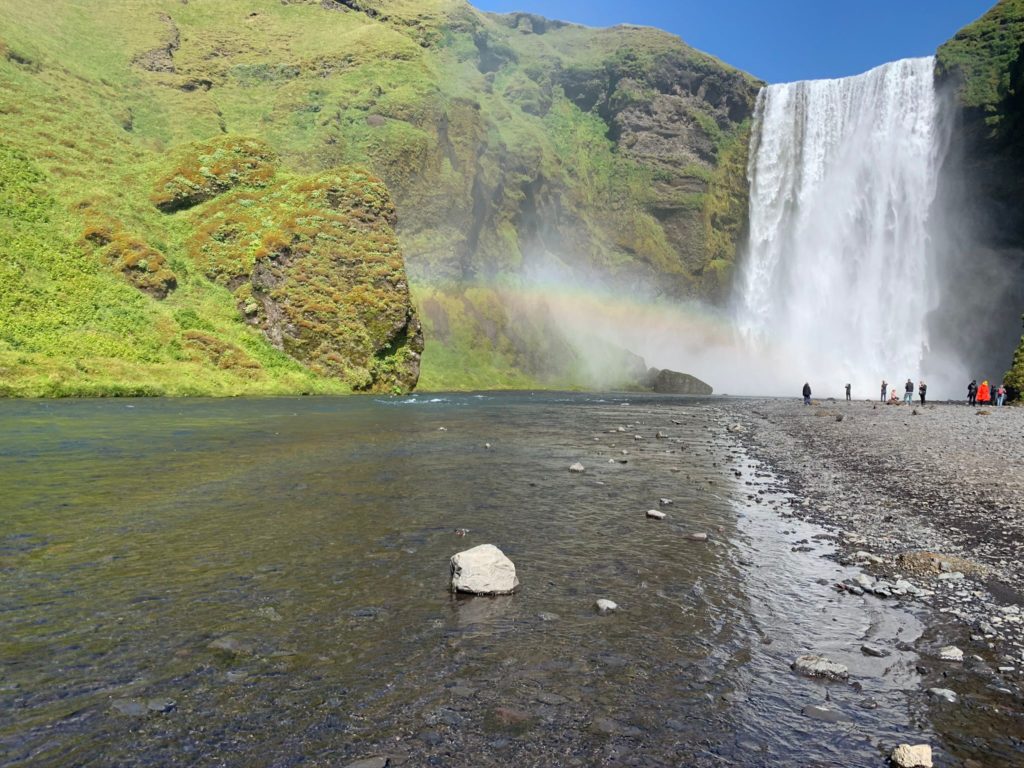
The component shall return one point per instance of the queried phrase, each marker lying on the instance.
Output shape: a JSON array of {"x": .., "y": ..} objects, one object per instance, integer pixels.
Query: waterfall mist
[{"x": 841, "y": 274}]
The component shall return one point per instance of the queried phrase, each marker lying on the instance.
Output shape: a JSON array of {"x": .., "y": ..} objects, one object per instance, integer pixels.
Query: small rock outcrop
[{"x": 483, "y": 570}]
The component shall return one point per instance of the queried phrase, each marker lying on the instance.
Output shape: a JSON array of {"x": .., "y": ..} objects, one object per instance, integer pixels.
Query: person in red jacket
[{"x": 983, "y": 395}]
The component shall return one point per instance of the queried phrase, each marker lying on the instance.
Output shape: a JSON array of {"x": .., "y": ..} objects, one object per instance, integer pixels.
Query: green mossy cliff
[
  {"x": 983, "y": 66},
  {"x": 201, "y": 163}
]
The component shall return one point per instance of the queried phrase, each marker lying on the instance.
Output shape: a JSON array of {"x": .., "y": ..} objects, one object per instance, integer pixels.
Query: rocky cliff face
[
  {"x": 982, "y": 70},
  {"x": 517, "y": 151}
]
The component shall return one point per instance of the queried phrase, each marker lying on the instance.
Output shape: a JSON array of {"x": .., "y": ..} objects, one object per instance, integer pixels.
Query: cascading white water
[{"x": 837, "y": 280}]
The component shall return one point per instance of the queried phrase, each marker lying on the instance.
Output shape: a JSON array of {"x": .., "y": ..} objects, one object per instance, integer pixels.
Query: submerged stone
[
  {"x": 606, "y": 606},
  {"x": 813, "y": 665}
]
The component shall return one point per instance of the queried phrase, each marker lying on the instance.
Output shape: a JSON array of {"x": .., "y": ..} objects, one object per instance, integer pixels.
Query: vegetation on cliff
[
  {"x": 984, "y": 64},
  {"x": 514, "y": 148}
]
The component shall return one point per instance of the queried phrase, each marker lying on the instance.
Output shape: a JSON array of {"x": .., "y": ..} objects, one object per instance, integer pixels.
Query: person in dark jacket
[
  {"x": 807, "y": 393},
  {"x": 908, "y": 392},
  {"x": 922, "y": 390},
  {"x": 885, "y": 386},
  {"x": 847, "y": 392},
  {"x": 972, "y": 392}
]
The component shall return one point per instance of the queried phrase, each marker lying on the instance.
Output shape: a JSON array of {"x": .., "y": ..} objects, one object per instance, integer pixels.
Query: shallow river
[{"x": 264, "y": 583}]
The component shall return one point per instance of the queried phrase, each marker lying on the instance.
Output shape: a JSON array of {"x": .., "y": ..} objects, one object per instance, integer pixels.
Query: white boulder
[
  {"x": 577, "y": 467},
  {"x": 907, "y": 756},
  {"x": 483, "y": 570},
  {"x": 655, "y": 514},
  {"x": 606, "y": 606}
]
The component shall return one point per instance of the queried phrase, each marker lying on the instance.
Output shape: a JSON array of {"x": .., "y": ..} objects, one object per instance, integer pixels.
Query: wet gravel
[{"x": 933, "y": 494}]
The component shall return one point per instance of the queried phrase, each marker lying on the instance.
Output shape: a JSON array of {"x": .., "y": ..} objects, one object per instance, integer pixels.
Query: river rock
[
  {"x": 655, "y": 514},
  {"x": 161, "y": 705},
  {"x": 870, "y": 650},
  {"x": 369, "y": 762},
  {"x": 232, "y": 646},
  {"x": 951, "y": 653},
  {"x": 824, "y": 714},
  {"x": 943, "y": 693},
  {"x": 813, "y": 665},
  {"x": 664, "y": 502},
  {"x": 907, "y": 756},
  {"x": 130, "y": 707},
  {"x": 577, "y": 467},
  {"x": 697, "y": 536},
  {"x": 606, "y": 606},
  {"x": 483, "y": 570}
]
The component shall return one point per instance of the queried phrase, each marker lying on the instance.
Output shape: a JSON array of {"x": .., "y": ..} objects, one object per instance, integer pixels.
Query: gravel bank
[{"x": 928, "y": 493}]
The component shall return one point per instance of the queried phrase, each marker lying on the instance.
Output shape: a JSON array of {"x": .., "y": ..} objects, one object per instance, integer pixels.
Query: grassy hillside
[{"x": 512, "y": 147}]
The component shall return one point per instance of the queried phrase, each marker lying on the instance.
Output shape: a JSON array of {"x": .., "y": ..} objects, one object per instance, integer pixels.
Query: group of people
[
  {"x": 983, "y": 394},
  {"x": 908, "y": 392},
  {"x": 977, "y": 394}
]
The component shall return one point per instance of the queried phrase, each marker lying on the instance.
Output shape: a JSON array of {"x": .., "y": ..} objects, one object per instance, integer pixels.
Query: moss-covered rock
[
  {"x": 208, "y": 169},
  {"x": 315, "y": 264}
]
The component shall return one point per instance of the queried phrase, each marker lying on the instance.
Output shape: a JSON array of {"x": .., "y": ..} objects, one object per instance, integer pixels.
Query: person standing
[
  {"x": 1001, "y": 394},
  {"x": 922, "y": 390},
  {"x": 908, "y": 392},
  {"x": 885, "y": 386},
  {"x": 807, "y": 393},
  {"x": 847, "y": 393},
  {"x": 983, "y": 393},
  {"x": 972, "y": 392}
]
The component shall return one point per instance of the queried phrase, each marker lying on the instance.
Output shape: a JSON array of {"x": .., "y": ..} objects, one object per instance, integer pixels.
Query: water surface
[{"x": 309, "y": 539}]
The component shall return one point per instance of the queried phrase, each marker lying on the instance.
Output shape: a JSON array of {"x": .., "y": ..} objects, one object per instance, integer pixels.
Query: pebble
[
  {"x": 577, "y": 467},
  {"x": 870, "y": 650},
  {"x": 697, "y": 536},
  {"x": 606, "y": 606},
  {"x": 951, "y": 653},
  {"x": 655, "y": 514},
  {"x": 813, "y": 665},
  {"x": 664, "y": 502},
  {"x": 131, "y": 707},
  {"x": 369, "y": 762},
  {"x": 546, "y": 616},
  {"x": 161, "y": 705},
  {"x": 824, "y": 714},
  {"x": 943, "y": 693},
  {"x": 232, "y": 646}
]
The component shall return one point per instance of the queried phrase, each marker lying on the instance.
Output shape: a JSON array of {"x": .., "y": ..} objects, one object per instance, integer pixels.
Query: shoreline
[{"x": 931, "y": 494}]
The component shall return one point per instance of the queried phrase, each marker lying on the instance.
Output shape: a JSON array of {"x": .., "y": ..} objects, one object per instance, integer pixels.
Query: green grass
[{"x": 461, "y": 114}]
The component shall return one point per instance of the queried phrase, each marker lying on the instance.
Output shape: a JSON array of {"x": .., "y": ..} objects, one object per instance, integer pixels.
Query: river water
[{"x": 264, "y": 583}]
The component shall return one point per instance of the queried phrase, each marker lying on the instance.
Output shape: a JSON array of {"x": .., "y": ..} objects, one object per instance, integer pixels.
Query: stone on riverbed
[
  {"x": 870, "y": 650},
  {"x": 483, "y": 570},
  {"x": 697, "y": 536},
  {"x": 577, "y": 467},
  {"x": 655, "y": 514},
  {"x": 606, "y": 606},
  {"x": 907, "y": 756},
  {"x": 813, "y": 665},
  {"x": 943, "y": 693},
  {"x": 951, "y": 653},
  {"x": 231, "y": 646}
]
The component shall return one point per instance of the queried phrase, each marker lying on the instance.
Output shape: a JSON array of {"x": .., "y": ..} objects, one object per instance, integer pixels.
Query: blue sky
[{"x": 780, "y": 40}]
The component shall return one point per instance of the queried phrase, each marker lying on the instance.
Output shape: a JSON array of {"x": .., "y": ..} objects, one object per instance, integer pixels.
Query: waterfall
[{"x": 837, "y": 280}]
